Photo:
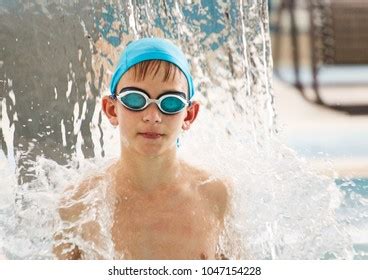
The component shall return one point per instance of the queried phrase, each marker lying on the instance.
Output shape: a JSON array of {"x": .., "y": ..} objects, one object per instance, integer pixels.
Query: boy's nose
[{"x": 152, "y": 114}]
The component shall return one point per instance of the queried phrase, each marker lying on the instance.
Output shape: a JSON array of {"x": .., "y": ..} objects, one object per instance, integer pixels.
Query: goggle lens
[
  {"x": 134, "y": 101},
  {"x": 172, "y": 104}
]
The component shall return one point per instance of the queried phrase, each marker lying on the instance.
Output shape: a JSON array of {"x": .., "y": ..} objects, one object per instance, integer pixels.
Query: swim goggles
[{"x": 169, "y": 103}]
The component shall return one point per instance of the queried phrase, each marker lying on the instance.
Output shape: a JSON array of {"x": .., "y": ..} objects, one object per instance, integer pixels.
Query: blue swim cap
[{"x": 149, "y": 49}]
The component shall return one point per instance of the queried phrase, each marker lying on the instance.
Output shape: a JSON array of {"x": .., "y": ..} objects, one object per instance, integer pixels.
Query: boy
[{"x": 166, "y": 209}]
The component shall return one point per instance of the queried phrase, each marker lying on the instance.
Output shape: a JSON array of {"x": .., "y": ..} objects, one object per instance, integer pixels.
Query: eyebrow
[{"x": 176, "y": 92}]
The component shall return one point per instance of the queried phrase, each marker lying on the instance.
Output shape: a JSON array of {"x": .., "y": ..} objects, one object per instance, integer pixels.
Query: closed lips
[{"x": 151, "y": 134}]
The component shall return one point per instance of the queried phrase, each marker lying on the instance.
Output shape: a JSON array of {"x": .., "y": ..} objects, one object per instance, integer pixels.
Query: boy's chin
[{"x": 153, "y": 151}]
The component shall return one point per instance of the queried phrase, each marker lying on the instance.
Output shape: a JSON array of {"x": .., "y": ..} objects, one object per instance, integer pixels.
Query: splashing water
[{"x": 53, "y": 133}]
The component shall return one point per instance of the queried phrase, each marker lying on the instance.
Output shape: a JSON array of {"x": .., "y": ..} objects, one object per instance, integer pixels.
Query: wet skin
[
  {"x": 180, "y": 221},
  {"x": 163, "y": 207}
]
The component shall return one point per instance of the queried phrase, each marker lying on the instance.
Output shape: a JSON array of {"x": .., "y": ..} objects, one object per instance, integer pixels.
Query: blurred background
[{"x": 320, "y": 56}]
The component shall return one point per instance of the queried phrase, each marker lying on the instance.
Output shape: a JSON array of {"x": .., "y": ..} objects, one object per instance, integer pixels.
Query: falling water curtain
[{"x": 56, "y": 59}]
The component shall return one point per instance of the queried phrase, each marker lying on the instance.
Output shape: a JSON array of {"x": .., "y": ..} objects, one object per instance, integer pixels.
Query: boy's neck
[{"x": 148, "y": 173}]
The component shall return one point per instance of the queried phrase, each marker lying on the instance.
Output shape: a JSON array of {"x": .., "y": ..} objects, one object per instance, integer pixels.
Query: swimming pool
[{"x": 355, "y": 205}]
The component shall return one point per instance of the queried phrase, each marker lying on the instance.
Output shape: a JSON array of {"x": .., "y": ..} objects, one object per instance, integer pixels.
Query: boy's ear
[
  {"x": 192, "y": 113},
  {"x": 109, "y": 108}
]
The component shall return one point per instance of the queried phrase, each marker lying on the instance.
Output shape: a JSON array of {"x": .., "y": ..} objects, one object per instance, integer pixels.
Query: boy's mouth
[{"x": 150, "y": 135}]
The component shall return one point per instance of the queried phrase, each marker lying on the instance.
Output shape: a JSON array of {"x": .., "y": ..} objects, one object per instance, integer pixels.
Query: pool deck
[{"x": 332, "y": 141}]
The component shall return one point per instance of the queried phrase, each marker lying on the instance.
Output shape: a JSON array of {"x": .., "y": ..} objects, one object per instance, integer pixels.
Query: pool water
[{"x": 356, "y": 205}]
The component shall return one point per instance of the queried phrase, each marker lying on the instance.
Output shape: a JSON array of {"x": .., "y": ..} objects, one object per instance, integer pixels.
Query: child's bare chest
[{"x": 165, "y": 228}]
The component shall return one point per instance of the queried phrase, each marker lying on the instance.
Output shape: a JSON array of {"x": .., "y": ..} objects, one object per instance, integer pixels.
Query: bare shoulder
[
  {"x": 71, "y": 203},
  {"x": 214, "y": 189},
  {"x": 71, "y": 209}
]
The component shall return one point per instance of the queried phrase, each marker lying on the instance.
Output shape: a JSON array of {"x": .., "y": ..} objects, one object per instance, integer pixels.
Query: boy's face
[{"x": 150, "y": 132}]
